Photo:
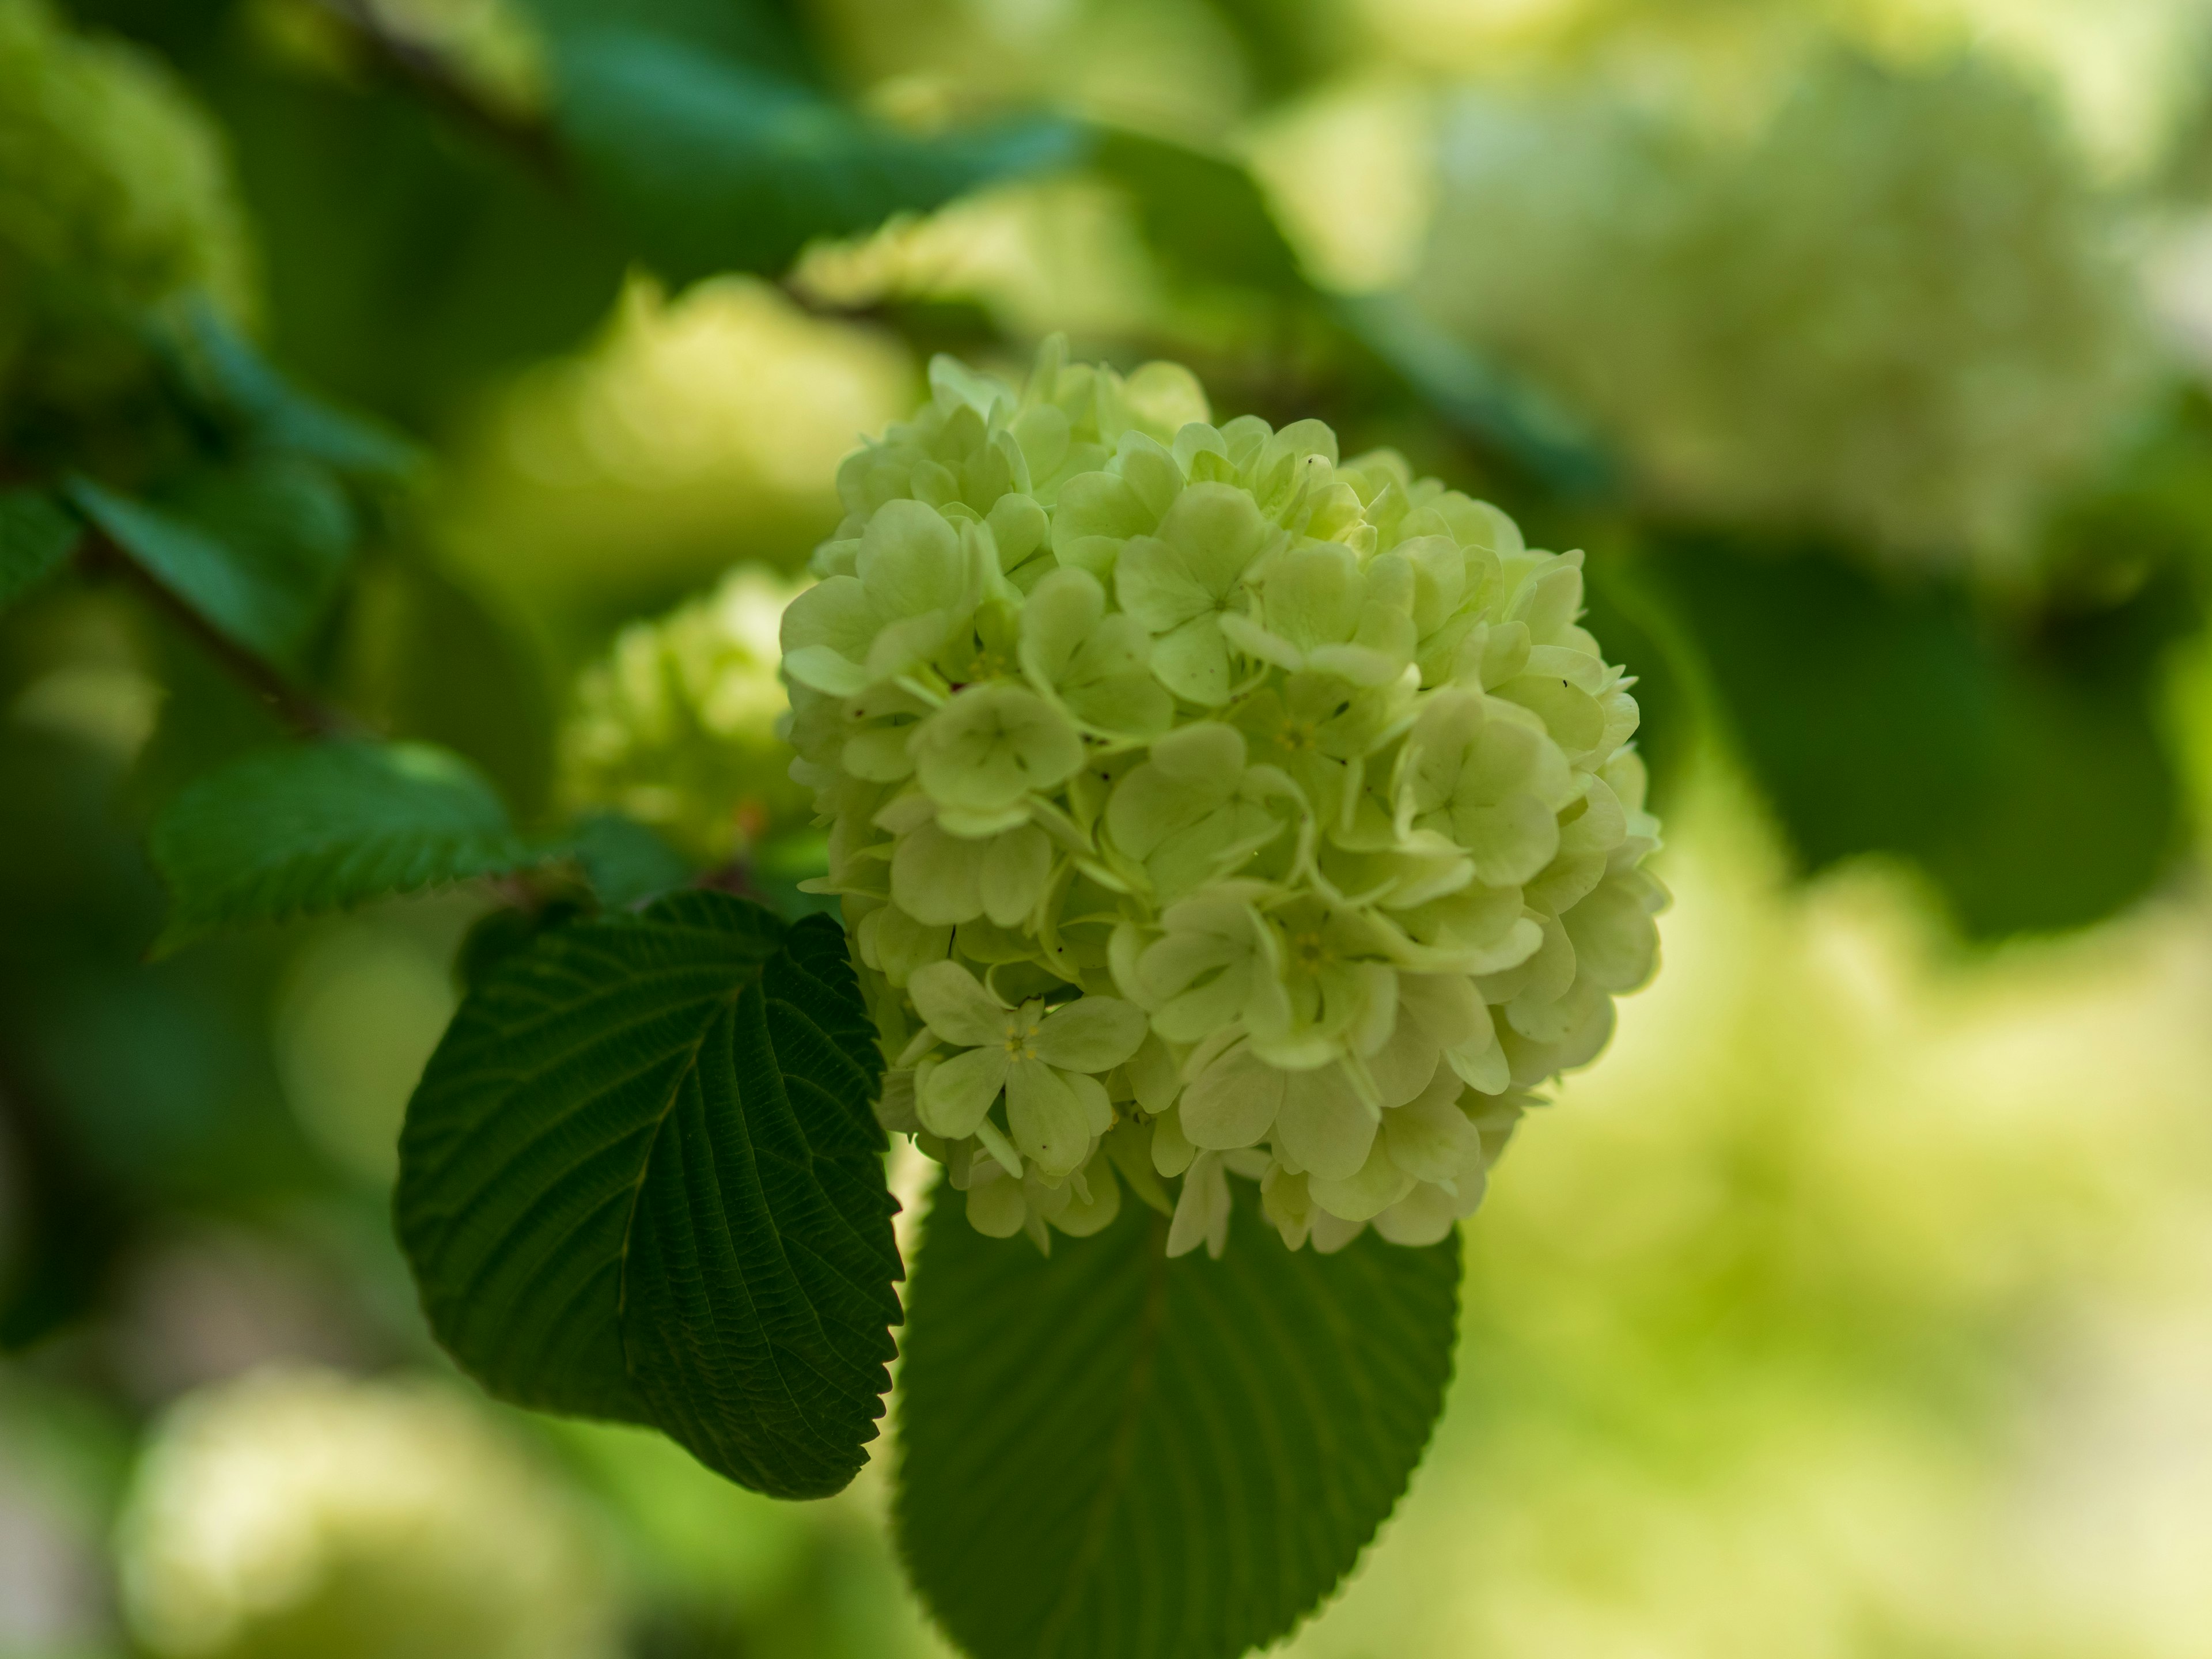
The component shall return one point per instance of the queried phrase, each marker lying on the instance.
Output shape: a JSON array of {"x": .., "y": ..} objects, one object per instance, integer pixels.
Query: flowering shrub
[{"x": 1204, "y": 805}]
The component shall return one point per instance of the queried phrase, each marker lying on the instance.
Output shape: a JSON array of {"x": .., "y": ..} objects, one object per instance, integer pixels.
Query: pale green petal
[
  {"x": 1097, "y": 1104},
  {"x": 1218, "y": 530},
  {"x": 935, "y": 877},
  {"x": 911, "y": 561},
  {"x": 1014, "y": 869},
  {"x": 1324, "y": 1125},
  {"x": 1429, "y": 1137},
  {"x": 996, "y": 1209},
  {"x": 1097, "y": 504},
  {"x": 954, "y": 1005},
  {"x": 1049, "y": 1123},
  {"x": 1171, "y": 1149},
  {"x": 1615, "y": 941},
  {"x": 1062, "y": 612},
  {"x": 1232, "y": 1102},
  {"x": 1373, "y": 1187},
  {"x": 1153, "y": 583},
  {"x": 1202, "y": 1209},
  {"x": 1084, "y": 1217},
  {"x": 955, "y": 1094},
  {"x": 1424, "y": 1216},
  {"x": 992, "y": 745},
  {"x": 1093, "y": 1034}
]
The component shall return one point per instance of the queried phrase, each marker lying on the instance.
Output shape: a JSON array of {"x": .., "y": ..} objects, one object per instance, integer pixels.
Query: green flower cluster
[
  {"x": 1203, "y": 805},
  {"x": 115, "y": 195},
  {"x": 1897, "y": 313},
  {"x": 677, "y": 726}
]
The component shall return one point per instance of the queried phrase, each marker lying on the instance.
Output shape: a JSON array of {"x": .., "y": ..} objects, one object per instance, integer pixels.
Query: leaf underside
[
  {"x": 1109, "y": 1454},
  {"x": 641, "y": 1180},
  {"x": 306, "y": 828}
]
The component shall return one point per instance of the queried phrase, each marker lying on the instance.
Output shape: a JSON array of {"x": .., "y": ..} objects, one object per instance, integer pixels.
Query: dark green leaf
[
  {"x": 641, "y": 1180},
  {"x": 714, "y": 165},
  {"x": 1202, "y": 214},
  {"x": 36, "y": 538},
  {"x": 624, "y": 860},
  {"x": 255, "y": 550},
  {"x": 306, "y": 828},
  {"x": 234, "y": 377},
  {"x": 1110, "y": 1455},
  {"x": 2025, "y": 774}
]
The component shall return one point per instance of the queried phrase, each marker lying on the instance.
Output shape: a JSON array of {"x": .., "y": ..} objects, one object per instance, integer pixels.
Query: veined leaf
[
  {"x": 289, "y": 831},
  {"x": 641, "y": 1180},
  {"x": 1110, "y": 1455},
  {"x": 36, "y": 538}
]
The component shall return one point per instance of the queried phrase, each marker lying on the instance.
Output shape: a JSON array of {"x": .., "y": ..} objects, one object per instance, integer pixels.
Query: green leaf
[
  {"x": 1203, "y": 215},
  {"x": 641, "y": 1180},
  {"x": 1477, "y": 399},
  {"x": 306, "y": 828},
  {"x": 36, "y": 538},
  {"x": 624, "y": 860},
  {"x": 233, "y": 376},
  {"x": 2024, "y": 773},
  {"x": 257, "y": 550},
  {"x": 712, "y": 165},
  {"x": 1110, "y": 1455}
]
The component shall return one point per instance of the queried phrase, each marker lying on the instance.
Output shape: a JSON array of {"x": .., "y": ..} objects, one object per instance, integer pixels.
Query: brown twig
[
  {"x": 298, "y": 708},
  {"x": 416, "y": 68}
]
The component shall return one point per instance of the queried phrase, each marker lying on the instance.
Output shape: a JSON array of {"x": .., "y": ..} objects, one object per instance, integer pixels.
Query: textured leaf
[
  {"x": 714, "y": 165},
  {"x": 1110, "y": 1455},
  {"x": 255, "y": 550},
  {"x": 641, "y": 1180},
  {"x": 36, "y": 538},
  {"x": 294, "y": 831}
]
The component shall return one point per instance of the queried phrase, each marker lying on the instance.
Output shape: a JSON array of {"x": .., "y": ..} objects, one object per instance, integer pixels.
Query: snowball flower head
[
  {"x": 299, "y": 1513},
  {"x": 1898, "y": 311},
  {"x": 1205, "y": 805},
  {"x": 676, "y": 725},
  {"x": 115, "y": 194}
]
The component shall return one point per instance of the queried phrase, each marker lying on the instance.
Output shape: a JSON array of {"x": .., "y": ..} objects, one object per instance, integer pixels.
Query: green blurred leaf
[
  {"x": 309, "y": 828},
  {"x": 1478, "y": 400},
  {"x": 257, "y": 550},
  {"x": 713, "y": 164},
  {"x": 1110, "y": 1455},
  {"x": 1203, "y": 215},
  {"x": 641, "y": 1180},
  {"x": 2025, "y": 774},
  {"x": 426, "y": 657},
  {"x": 228, "y": 371},
  {"x": 36, "y": 538},
  {"x": 624, "y": 860}
]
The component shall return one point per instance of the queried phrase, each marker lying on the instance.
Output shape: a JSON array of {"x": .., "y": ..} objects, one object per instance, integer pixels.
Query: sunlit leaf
[
  {"x": 308, "y": 828},
  {"x": 1108, "y": 1454}
]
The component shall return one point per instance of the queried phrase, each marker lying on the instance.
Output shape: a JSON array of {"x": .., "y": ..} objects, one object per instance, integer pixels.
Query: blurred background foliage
[{"x": 1859, "y": 1303}]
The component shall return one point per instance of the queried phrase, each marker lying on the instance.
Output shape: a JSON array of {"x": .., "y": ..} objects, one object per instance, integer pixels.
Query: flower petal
[
  {"x": 957, "y": 1092},
  {"x": 957, "y": 1008},
  {"x": 1092, "y": 1034},
  {"x": 1049, "y": 1123}
]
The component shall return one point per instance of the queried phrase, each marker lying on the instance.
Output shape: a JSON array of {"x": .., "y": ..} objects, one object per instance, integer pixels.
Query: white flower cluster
[
  {"x": 676, "y": 725},
  {"x": 1204, "y": 805},
  {"x": 1897, "y": 313}
]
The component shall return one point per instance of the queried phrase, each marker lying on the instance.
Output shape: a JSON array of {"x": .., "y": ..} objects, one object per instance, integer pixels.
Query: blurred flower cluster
[
  {"x": 1896, "y": 312},
  {"x": 295, "y": 1511},
  {"x": 115, "y": 195},
  {"x": 1203, "y": 804},
  {"x": 677, "y": 726}
]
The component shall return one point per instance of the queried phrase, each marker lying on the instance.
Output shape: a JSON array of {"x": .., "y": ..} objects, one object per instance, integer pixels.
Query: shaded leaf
[
  {"x": 624, "y": 860},
  {"x": 2025, "y": 774},
  {"x": 1107, "y": 1454},
  {"x": 257, "y": 550},
  {"x": 714, "y": 165},
  {"x": 1203, "y": 215},
  {"x": 641, "y": 1180},
  {"x": 36, "y": 538},
  {"x": 294, "y": 830},
  {"x": 234, "y": 377}
]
